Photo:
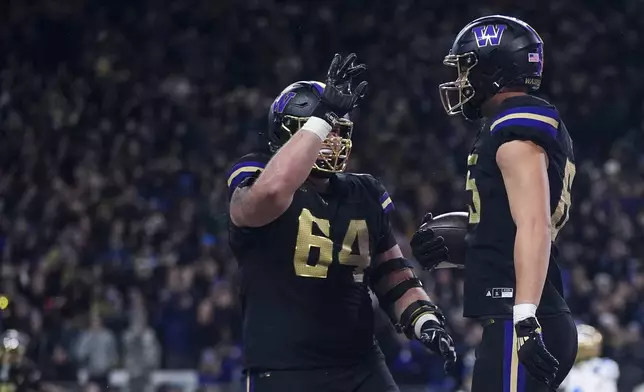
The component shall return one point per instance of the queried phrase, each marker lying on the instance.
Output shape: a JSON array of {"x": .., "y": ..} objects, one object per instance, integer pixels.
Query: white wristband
[
  {"x": 523, "y": 311},
  {"x": 317, "y": 126},
  {"x": 421, "y": 320}
]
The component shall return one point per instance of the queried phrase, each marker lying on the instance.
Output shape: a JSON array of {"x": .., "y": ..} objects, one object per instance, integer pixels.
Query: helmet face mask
[
  {"x": 336, "y": 148},
  {"x": 454, "y": 95},
  {"x": 288, "y": 115}
]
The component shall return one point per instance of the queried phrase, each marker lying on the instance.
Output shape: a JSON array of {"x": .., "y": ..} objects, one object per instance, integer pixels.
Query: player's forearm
[
  {"x": 272, "y": 193},
  {"x": 411, "y": 296},
  {"x": 292, "y": 164},
  {"x": 531, "y": 259}
]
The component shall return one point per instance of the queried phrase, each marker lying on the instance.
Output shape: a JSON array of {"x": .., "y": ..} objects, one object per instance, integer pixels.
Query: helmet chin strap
[
  {"x": 471, "y": 113},
  {"x": 315, "y": 173}
]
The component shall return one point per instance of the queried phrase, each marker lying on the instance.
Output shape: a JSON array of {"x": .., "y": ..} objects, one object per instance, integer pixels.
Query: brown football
[{"x": 453, "y": 227}]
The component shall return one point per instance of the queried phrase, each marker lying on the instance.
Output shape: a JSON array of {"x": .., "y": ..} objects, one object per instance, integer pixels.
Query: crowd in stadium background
[{"x": 120, "y": 118}]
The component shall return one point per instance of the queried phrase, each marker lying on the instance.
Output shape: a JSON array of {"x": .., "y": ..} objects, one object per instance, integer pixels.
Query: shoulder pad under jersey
[
  {"x": 247, "y": 166},
  {"x": 539, "y": 123},
  {"x": 375, "y": 188}
]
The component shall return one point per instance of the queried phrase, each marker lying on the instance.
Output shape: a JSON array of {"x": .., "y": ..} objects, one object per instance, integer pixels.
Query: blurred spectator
[
  {"x": 96, "y": 351},
  {"x": 217, "y": 369},
  {"x": 61, "y": 367},
  {"x": 177, "y": 320},
  {"x": 141, "y": 352}
]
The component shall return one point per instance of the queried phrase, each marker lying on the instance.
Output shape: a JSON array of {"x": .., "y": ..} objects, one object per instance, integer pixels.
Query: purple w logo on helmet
[
  {"x": 280, "y": 103},
  {"x": 488, "y": 35}
]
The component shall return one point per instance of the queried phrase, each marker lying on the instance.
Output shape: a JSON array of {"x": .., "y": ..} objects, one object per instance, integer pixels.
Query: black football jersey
[
  {"x": 304, "y": 301},
  {"x": 489, "y": 265}
]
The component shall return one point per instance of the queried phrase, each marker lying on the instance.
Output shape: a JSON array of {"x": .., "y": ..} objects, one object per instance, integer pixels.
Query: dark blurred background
[{"x": 120, "y": 118}]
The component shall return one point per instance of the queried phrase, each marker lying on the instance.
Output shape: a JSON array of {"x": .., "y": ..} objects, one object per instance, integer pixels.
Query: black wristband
[
  {"x": 411, "y": 314},
  {"x": 325, "y": 113}
]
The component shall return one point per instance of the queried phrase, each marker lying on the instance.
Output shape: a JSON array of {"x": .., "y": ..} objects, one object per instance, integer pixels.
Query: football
[{"x": 453, "y": 227}]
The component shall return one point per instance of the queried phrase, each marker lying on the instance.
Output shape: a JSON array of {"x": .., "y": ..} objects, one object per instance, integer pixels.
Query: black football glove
[
  {"x": 533, "y": 354},
  {"x": 348, "y": 71},
  {"x": 428, "y": 248},
  {"x": 434, "y": 336},
  {"x": 338, "y": 97}
]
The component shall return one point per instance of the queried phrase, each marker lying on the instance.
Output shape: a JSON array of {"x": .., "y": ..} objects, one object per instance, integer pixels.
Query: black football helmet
[
  {"x": 489, "y": 54},
  {"x": 291, "y": 109}
]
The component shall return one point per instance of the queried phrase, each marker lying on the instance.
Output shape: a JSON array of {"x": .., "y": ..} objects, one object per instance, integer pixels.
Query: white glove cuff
[
  {"x": 421, "y": 320},
  {"x": 317, "y": 126},
  {"x": 523, "y": 311}
]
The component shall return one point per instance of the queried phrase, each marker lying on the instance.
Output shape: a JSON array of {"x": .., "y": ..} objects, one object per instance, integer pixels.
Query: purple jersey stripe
[
  {"x": 529, "y": 123},
  {"x": 239, "y": 178},
  {"x": 540, "y": 110},
  {"x": 245, "y": 164},
  {"x": 389, "y": 208},
  {"x": 384, "y": 197}
]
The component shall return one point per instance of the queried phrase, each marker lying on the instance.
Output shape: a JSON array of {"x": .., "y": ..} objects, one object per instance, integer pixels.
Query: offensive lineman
[
  {"x": 521, "y": 170},
  {"x": 304, "y": 234}
]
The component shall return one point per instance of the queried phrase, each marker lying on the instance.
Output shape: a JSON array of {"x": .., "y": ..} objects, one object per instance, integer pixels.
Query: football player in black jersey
[
  {"x": 520, "y": 173},
  {"x": 17, "y": 373},
  {"x": 310, "y": 241}
]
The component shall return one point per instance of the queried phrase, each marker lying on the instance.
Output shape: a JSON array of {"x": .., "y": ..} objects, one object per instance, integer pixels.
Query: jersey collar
[{"x": 517, "y": 101}]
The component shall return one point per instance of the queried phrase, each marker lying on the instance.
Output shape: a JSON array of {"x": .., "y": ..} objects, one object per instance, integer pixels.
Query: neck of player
[
  {"x": 489, "y": 106},
  {"x": 320, "y": 184}
]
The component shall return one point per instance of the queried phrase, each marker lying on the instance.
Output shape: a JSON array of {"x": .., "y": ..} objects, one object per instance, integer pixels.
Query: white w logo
[{"x": 488, "y": 35}]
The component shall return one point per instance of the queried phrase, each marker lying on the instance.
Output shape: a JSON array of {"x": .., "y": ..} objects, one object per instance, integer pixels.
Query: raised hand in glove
[
  {"x": 429, "y": 329},
  {"x": 533, "y": 354},
  {"x": 428, "y": 248},
  {"x": 338, "y": 97}
]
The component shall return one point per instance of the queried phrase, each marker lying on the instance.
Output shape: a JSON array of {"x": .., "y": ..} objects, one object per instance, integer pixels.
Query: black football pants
[
  {"x": 497, "y": 368},
  {"x": 372, "y": 375}
]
